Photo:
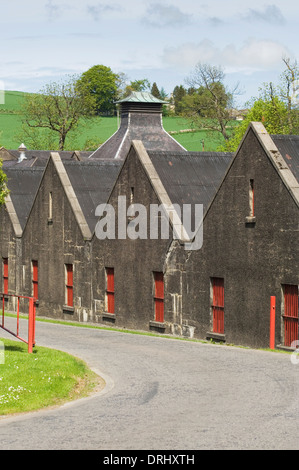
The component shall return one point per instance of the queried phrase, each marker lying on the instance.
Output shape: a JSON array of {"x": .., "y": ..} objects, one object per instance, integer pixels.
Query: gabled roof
[
  {"x": 278, "y": 161},
  {"x": 191, "y": 177},
  {"x": 183, "y": 178},
  {"x": 23, "y": 185},
  {"x": 6, "y": 154},
  {"x": 92, "y": 182},
  {"x": 39, "y": 158},
  {"x": 288, "y": 146}
]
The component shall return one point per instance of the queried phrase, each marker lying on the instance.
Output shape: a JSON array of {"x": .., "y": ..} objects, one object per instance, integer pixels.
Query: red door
[
  {"x": 69, "y": 285},
  {"x": 290, "y": 314},
  {"x": 159, "y": 297},
  {"x": 5, "y": 275},
  {"x": 110, "y": 289},
  {"x": 35, "y": 279},
  {"x": 218, "y": 304}
]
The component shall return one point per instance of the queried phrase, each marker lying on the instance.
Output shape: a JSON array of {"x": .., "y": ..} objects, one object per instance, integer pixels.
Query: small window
[
  {"x": 251, "y": 198},
  {"x": 110, "y": 290},
  {"x": 217, "y": 297},
  {"x": 35, "y": 279},
  {"x": 5, "y": 275},
  {"x": 50, "y": 215},
  {"x": 159, "y": 296},
  {"x": 69, "y": 300},
  {"x": 132, "y": 195}
]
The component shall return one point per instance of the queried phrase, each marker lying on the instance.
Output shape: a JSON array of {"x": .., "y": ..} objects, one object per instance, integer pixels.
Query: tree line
[{"x": 206, "y": 102}]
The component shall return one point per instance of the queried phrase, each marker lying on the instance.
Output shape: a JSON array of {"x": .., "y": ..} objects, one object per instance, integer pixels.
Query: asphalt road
[{"x": 165, "y": 394}]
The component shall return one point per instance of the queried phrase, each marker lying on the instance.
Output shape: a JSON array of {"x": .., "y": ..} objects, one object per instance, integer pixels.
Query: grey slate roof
[
  {"x": 288, "y": 146},
  {"x": 23, "y": 185},
  {"x": 191, "y": 177},
  {"x": 92, "y": 182},
  {"x": 141, "y": 119},
  {"x": 39, "y": 158}
]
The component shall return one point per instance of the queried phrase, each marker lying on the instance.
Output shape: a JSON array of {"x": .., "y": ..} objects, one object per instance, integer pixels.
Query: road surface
[{"x": 165, "y": 394}]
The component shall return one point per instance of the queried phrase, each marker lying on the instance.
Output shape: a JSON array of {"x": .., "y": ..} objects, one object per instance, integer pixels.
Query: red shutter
[
  {"x": 110, "y": 289},
  {"x": 35, "y": 279},
  {"x": 5, "y": 275},
  {"x": 69, "y": 285},
  {"x": 290, "y": 314},
  {"x": 218, "y": 304},
  {"x": 159, "y": 297}
]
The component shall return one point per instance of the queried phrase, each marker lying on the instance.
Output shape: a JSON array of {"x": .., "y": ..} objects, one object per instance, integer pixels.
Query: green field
[{"x": 93, "y": 132}]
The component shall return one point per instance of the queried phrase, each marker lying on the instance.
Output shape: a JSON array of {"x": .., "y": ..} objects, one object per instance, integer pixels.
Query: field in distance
[{"x": 97, "y": 130}]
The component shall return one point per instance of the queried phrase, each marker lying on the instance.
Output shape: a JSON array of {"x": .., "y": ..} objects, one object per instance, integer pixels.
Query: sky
[{"x": 42, "y": 41}]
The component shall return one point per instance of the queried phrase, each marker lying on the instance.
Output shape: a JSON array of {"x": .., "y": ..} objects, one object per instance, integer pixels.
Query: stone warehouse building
[{"x": 50, "y": 246}]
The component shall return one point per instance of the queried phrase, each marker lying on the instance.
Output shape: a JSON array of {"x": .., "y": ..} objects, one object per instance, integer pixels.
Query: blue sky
[{"x": 44, "y": 40}]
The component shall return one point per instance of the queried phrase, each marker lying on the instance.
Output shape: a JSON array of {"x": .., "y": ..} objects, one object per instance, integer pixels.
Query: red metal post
[
  {"x": 272, "y": 322},
  {"x": 31, "y": 325}
]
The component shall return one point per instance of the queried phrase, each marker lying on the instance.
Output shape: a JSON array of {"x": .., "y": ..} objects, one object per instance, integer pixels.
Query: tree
[
  {"x": 178, "y": 94},
  {"x": 288, "y": 90},
  {"x": 272, "y": 112},
  {"x": 56, "y": 109},
  {"x": 209, "y": 105},
  {"x": 98, "y": 86},
  {"x": 155, "y": 91},
  {"x": 3, "y": 187},
  {"x": 137, "y": 85},
  {"x": 276, "y": 107}
]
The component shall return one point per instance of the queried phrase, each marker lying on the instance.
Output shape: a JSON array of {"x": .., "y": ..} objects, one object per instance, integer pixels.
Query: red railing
[{"x": 31, "y": 319}]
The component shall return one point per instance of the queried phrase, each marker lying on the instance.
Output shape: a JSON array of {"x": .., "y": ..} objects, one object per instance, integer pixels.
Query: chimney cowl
[{"x": 22, "y": 149}]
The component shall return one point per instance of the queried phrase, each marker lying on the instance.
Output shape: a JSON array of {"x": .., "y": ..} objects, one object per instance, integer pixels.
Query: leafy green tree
[
  {"x": 98, "y": 86},
  {"x": 56, "y": 110},
  {"x": 272, "y": 112},
  {"x": 209, "y": 105},
  {"x": 3, "y": 187},
  {"x": 276, "y": 107},
  {"x": 137, "y": 85}
]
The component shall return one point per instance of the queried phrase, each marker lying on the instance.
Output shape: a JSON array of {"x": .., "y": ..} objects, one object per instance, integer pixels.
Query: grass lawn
[
  {"x": 44, "y": 378},
  {"x": 97, "y": 130}
]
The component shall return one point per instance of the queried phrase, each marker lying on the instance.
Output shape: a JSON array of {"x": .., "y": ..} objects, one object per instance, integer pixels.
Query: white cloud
[
  {"x": 252, "y": 55},
  {"x": 166, "y": 15},
  {"x": 270, "y": 14}
]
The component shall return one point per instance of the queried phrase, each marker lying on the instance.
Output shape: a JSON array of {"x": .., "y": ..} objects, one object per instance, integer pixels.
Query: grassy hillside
[{"x": 96, "y": 130}]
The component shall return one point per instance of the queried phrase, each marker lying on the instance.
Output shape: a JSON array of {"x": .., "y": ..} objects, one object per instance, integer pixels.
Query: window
[
  {"x": 217, "y": 284},
  {"x": 290, "y": 314},
  {"x": 159, "y": 296},
  {"x": 110, "y": 290},
  {"x": 5, "y": 275},
  {"x": 132, "y": 195},
  {"x": 69, "y": 285},
  {"x": 50, "y": 215},
  {"x": 251, "y": 198},
  {"x": 35, "y": 279}
]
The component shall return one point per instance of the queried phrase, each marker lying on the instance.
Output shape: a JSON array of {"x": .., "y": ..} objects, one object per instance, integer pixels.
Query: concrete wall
[
  {"x": 53, "y": 243},
  {"x": 255, "y": 259}
]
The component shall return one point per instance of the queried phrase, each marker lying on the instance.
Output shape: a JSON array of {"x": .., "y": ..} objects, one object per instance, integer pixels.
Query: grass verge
[{"x": 42, "y": 379}]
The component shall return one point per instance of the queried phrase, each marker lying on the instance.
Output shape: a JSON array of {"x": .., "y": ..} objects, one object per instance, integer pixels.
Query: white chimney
[{"x": 22, "y": 149}]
